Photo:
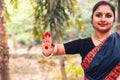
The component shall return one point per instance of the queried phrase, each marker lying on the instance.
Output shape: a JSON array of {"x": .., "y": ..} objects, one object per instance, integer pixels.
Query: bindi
[{"x": 104, "y": 3}]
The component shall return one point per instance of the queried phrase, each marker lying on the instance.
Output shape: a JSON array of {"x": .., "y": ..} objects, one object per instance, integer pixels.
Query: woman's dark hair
[{"x": 103, "y": 3}]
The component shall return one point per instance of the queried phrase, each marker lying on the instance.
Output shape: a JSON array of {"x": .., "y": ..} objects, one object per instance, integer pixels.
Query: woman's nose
[{"x": 103, "y": 18}]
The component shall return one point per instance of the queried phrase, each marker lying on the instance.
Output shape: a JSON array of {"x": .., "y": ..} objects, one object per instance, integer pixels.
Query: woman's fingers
[{"x": 47, "y": 38}]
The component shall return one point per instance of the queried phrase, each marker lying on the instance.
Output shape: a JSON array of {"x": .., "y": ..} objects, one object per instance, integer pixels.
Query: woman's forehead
[{"x": 104, "y": 9}]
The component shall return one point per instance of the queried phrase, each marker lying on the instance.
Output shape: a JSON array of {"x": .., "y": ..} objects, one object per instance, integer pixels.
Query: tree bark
[
  {"x": 118, "y": 19},
  {"x": 4, "y": 49},
  {"x": 62, "y": 68},
  {"x": 62, "y": 60}
]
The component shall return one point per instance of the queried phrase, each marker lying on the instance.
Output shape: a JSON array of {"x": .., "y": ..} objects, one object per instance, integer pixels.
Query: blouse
[{"x": 81, "y": 46}]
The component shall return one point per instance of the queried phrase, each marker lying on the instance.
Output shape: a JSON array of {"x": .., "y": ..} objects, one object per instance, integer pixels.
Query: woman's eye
[
  {"x": 98, "y": 15},
  {"x": 108, "y": 15}
]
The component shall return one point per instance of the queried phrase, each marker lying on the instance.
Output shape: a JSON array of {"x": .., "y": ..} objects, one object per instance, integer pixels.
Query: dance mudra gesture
[{"x": 100, "y": 53}]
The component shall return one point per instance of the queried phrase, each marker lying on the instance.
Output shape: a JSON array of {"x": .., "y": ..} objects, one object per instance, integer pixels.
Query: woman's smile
[{"x": 102, "y": 24}]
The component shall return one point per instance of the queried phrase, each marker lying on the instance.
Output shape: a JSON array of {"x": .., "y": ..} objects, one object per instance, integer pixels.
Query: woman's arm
[{"x": 60, "y": 49}]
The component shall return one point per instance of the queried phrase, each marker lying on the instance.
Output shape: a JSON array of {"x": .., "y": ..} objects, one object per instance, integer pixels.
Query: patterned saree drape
[{"x": 103, "y": 62}]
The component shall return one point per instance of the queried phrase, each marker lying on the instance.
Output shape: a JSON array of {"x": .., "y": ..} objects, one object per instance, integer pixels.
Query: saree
[{"x": 103, "y": 61}]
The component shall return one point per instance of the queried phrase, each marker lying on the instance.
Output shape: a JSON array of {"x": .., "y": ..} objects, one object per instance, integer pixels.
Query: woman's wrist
[{"x": 55, "y": 50}]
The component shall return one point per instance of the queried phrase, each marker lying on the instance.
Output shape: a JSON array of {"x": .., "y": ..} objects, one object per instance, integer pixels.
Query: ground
[{"x": 36, "y": 68}]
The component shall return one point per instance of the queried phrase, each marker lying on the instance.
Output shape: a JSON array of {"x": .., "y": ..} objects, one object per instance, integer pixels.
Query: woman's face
[{"x": 103, "y": 19}]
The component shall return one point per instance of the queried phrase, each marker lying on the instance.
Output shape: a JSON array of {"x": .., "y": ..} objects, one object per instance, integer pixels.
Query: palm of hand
[{"x": 47, "y": 45}]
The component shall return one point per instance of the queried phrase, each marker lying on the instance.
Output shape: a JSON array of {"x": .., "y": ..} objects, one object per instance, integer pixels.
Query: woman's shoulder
[
  {"x": 88, "y": 39},
  {"x": 115, "y": 33},
  {"x": 81, "y": 42},
  {"x": 84, "y": 41}
]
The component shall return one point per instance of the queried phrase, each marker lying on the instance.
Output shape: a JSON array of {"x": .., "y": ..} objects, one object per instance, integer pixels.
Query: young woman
[{"x": 100, "y": 53}]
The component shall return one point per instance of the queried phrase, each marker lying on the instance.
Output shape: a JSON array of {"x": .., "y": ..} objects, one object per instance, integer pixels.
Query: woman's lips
[{"x": 102, "y": 25}]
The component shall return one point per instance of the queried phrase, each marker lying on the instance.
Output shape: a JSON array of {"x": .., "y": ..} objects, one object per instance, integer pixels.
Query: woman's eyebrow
[{"x": 104, "y": 12}]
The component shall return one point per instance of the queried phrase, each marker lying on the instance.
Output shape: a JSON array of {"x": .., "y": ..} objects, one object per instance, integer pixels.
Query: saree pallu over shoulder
[{"x": 103, "y": 62}]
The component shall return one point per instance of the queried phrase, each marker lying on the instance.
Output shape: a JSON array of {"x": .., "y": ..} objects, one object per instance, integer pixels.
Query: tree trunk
[
  {"x": 62, "y": 68},
  {"x": 62, "y": 59},
  {"x": 4, "y": 50},
  {"x": 118, "y": 19}
]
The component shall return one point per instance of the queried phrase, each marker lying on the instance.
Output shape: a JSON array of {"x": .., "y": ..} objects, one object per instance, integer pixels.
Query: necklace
[
  {"x": 97, "y": 39},
  {"x": 102, "y": 38}
]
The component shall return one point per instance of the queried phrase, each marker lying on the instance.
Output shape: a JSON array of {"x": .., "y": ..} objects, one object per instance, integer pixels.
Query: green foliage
[
  {"x": 14, "y": 3},
  {"x": 20, "y": 23},
  {"x": 76, "y": 20},
  {"x": 114, "y": 2},
  {"x": 55, "y": 16},
  {"x": 19, "y": 32},
  {"x": 73, "y": 71},
  {"x": 21, "y": 20},
  {"x": 48, "y": 15},
  {"x": 7, "y": 15},
  {"x": 58, "y": 74}
]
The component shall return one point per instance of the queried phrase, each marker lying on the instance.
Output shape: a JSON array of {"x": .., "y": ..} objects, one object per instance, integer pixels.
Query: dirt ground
[{"x": 22, "y": 68}]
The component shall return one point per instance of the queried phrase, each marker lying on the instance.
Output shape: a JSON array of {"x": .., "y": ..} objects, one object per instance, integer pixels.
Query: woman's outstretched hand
[{"x": 47, "y": 45}]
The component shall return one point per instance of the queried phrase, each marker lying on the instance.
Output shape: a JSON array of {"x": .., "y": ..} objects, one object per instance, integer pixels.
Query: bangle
[{"x": 55, "y": 50}]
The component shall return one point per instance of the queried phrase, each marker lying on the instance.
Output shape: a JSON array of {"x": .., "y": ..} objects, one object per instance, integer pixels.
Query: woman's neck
[{"x": 101, "y": 36}]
